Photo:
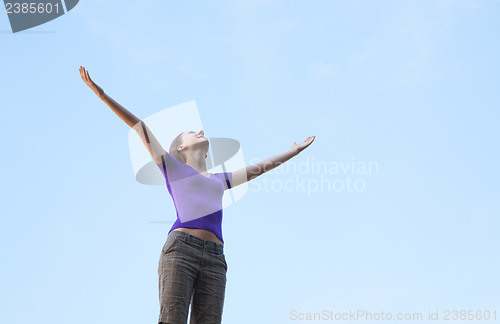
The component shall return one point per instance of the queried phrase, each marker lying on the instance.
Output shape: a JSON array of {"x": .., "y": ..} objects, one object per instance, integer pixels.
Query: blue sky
[{"x": 409, "y": 86}]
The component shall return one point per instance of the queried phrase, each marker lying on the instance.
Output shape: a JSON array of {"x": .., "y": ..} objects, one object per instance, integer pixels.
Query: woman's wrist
[{"x": 99, "y": 91}]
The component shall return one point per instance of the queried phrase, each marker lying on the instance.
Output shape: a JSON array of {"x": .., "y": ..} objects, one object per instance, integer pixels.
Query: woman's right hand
[
  {"x": 302, "y": 146},
  {"x": 86, "y": 78}
]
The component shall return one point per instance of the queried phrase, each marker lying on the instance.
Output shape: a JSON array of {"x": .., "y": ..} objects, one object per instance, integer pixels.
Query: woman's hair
[{"x": 173, "y": 149}]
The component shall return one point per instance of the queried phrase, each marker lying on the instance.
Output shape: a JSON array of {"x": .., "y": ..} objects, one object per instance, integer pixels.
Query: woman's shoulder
[
  {"x": 167, "y": 162},
  {"x": 225, "y": 177}
]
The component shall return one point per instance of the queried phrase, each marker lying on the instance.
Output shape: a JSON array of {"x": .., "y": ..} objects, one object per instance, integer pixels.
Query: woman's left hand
[{"x": 301, "y": 146}]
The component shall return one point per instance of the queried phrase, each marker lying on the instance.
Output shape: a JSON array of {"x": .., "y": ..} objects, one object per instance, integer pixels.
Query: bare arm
[
  {"x": 125, "y": 115},
  {"x": 147, "y": 137},
  {"x": 253, "y": 171},
  {"x": 150, "y": 141}
]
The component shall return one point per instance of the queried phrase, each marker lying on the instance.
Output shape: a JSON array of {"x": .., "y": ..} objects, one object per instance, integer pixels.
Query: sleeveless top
[{"x": 197, "y": 199}]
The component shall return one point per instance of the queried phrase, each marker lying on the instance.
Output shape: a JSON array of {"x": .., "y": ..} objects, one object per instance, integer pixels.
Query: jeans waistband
[{"x": 195, "y": 240}]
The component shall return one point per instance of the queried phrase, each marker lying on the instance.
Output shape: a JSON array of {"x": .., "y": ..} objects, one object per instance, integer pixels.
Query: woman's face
[{"x": 191, "y": 138}]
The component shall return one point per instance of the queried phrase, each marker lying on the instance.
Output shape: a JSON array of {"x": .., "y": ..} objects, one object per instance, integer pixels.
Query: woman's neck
[{"x": 196, "y": 160}]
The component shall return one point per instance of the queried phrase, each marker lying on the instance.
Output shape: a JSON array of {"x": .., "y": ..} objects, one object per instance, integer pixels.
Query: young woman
[{"x": 192, "y": 267}]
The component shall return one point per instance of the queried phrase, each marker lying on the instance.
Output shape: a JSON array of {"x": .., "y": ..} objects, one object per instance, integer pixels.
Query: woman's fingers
[
  {"x": 309, "y": 139},
  {"x": 85, "y": 76},
  {"x": 307, "y": 142},
  {"x": 82, "y": 73},
  {"x": 301, "y": 146},
  {"x": 90, "y": 80}
]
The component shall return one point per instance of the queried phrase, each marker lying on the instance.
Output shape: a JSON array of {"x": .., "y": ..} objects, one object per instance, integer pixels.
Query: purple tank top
[{"x": 197, "y": 199}]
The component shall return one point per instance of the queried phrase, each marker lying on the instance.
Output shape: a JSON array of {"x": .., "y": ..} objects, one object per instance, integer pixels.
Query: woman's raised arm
[
  {"x": 129, "y": 118},
  {"x": 253, "y": 171},
  {"x": 147, "y": 137}
]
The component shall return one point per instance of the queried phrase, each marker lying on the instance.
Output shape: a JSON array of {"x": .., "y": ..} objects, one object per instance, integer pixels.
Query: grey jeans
[{"x": 191, "y": 271}]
